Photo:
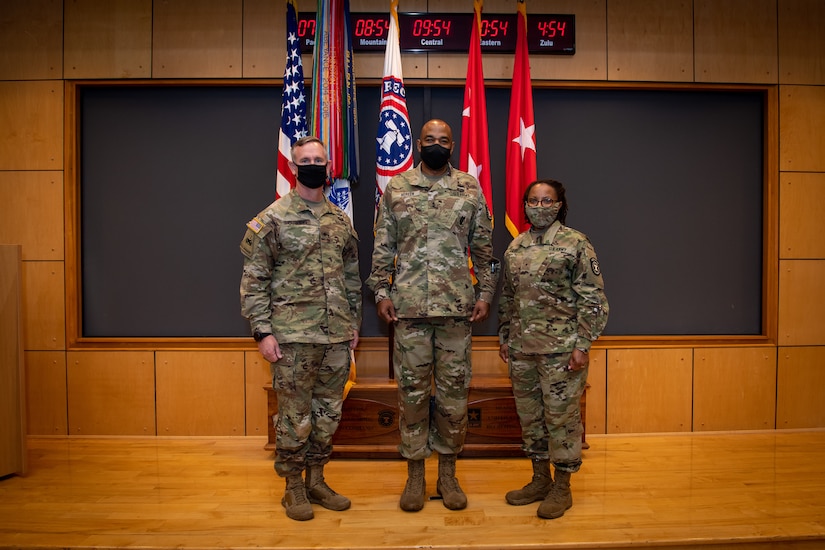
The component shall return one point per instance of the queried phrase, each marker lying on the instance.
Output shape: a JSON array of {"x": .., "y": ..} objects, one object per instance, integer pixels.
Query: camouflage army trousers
[
  {"x": 425, "y": 350},
  {"x": 309, "y": 382},
  {"x": 549, "y": 408}
]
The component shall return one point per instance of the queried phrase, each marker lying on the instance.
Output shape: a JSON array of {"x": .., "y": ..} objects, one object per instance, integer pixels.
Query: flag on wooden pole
[
  {"x": 474, "y": 156},
  {"x": 334, "y": 111},
  {"x": 294, "y": 104},
  {"x": 520, "y": 160},
  {"x": 393, "y": 153}
]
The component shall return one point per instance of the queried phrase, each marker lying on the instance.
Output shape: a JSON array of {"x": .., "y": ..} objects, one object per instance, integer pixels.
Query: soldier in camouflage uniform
[
  {"x": 552, "y": 307},
  {"x": 427, "y": 220},
  {"x": 301, "y": 291}
]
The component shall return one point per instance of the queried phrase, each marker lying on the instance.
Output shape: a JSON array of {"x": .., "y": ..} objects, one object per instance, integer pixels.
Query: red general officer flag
[
  {"x": 520, "y": 163},
  {"x": 474, "y": 156}
]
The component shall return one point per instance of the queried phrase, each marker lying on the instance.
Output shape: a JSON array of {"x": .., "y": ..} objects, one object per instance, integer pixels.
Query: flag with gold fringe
[
  {"x": 520, "y": 160},
  {"x": 474, "y": 156}
]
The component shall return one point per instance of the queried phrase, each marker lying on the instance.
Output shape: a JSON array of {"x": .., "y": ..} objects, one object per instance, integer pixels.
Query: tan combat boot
[
  {"x": 295, "y": 499},
  {"x": 447, "y": 486},
  {"x": 412, "y": 499},
  {"x": 538, "y": 487},
  {"x": 320, "y": 493},
  {"x": 558, "y": 499}
]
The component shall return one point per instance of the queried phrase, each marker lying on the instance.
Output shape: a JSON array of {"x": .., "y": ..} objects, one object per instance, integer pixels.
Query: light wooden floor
[{"x": 733, "y": 490}]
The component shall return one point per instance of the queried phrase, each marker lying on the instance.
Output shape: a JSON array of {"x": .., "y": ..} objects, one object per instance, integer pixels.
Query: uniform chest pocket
[
  {"x": 335, "y": 235},
  {"x": 452, "y": 213},
  {"x": 297, "y": 236},
  {"x": 410, "y": 211},
  {"x": 557, "y": 270}
]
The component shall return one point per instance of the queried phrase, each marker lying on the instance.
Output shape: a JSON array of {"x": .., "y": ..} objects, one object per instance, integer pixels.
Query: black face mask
[
  {"x": 435, "y": 156},
  {"x": 312, "y": 175}
]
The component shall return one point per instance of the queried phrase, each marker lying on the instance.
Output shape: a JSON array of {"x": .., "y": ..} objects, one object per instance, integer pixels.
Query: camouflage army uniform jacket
[
  {"x": 301, "y": 280},
  {"x": 423, "y": 229},
  {"x": 552, "y": 299}
]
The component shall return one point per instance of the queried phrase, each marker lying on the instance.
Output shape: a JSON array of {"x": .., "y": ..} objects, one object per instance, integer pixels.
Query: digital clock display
[{"x": 451, "y": 32}]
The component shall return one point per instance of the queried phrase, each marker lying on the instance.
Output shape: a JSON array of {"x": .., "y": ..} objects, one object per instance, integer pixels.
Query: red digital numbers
[
  {"x": 372, "y": 27},
  {"x": 306, "y": 28},
  {"x": 431, "y": 28},
  {"x": 552, "y": 28},
  {"x": 494, "y": 28}
]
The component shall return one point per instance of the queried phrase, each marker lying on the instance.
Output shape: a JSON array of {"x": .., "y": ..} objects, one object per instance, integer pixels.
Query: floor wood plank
[{"x": 754, "y": 490}]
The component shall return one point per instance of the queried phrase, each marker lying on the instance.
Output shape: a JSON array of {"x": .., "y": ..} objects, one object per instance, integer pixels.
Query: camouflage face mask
[{"x": 540, "y": 216}]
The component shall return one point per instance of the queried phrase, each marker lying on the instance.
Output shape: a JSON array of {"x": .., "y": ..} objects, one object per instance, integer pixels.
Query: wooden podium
[
  {"x": 369, "y": 424},
  {"x": 12, "y": 373}
]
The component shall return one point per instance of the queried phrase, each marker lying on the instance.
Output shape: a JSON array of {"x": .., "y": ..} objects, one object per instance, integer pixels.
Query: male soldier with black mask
[
  {"x": 301, "y": 291},
  {"x": 428, "y": 219}
]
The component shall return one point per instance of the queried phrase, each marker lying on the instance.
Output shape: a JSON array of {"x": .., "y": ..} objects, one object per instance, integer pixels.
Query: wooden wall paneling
[
  {"x": 596, "y": 401},
  {"x": 590, "y": 59},
  {"x": 44, "y": 314},
  {"x": 800, "y": 379},
  {"x": 414, "y": 65},
  {"x": 801, "y": 295},
  {"x": 650, "y": 40},
  {"x": 735, "y": 41},
  {"x": 371, "y": 65},
  {"x": 371, "y": 363},
  {"x": 46, "y": 393},
  {"x": 33, "y": 213},
  {"x": 12, "y": 375},
  {"x": 256, "y": 376},
  {"x": 264, "y": 40},
  {"x": 802, "y": 128},
  {"x": 32, "y": 30},
  {"x": 801, "y": 42},
  {"x": 31, "y": 125},
  {"x": 200, "y": 392},
  {"x": 108, "y": 39},
  {"x": 197, "y": 39},
  {"x": 649, "y": 390},
  {"x": 801, "y": 223},
  {"x": 734, "y": 389},
  {"x": 487, "y": 363},
  {"x": 770, "y": 217},
  {"x": 450, "y": 65},
  {"x": 111, "y": 392}
]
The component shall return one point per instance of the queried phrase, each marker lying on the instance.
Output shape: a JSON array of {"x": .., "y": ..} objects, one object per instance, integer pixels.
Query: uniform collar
[{"x": 426, "y": 181}]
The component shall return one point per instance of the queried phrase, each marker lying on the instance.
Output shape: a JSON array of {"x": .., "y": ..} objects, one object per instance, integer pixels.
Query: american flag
[
  {"x": 394, "y": 147},
  {"x": 294, "y": 106}
]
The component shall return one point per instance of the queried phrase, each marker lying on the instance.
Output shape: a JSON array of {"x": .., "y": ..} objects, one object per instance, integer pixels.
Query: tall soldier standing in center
[
  {"x": 301, "y": 291},
  {"x": 427, "y": 221}
]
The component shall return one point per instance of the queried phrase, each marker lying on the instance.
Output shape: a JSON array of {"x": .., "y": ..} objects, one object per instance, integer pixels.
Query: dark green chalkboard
[{"x": 667, "y": 184}]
